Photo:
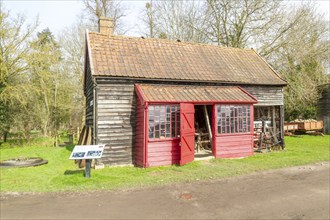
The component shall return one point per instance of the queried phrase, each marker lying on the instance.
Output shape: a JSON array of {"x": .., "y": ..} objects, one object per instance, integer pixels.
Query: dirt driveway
[{"x": 291, "y": 193}]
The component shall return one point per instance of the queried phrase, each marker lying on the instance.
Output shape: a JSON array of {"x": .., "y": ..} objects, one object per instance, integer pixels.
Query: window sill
[
  {"x": 233, "y": 134},
  {"x": 164, "y": 140}
]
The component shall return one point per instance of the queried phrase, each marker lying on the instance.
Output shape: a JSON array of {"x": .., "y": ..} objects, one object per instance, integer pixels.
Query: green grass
[{"x": 61, "y": 174}]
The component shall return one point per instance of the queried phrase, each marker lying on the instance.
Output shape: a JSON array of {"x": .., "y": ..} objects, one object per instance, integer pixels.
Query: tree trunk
[{"x": 5, "y": 136}]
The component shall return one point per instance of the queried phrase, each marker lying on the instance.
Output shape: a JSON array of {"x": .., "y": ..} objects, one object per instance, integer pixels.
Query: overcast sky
[{"x": 57, "y": 14}]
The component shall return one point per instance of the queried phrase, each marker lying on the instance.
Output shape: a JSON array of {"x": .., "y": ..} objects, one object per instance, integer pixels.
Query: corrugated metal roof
[
  {"x": 160, "y": 59},
  {"x": 188, "y": 93}
]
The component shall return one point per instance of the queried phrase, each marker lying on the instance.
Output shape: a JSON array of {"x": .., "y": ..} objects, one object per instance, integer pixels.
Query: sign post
[{"x": 87, "y": 152}]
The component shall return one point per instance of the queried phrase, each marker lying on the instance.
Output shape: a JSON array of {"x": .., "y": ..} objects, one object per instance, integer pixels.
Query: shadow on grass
[
  {"x": 70, "y": 147},
  {"x": 73, "y": 172}
]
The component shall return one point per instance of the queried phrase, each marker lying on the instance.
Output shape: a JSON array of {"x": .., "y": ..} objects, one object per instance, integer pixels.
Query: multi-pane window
[
  {"x": 164, "y": 121},
  {"x": 233, "y": 119}
]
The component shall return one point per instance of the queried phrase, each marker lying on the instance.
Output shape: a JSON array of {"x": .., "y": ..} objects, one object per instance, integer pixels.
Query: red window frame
[
  {"x": 233, "y": 119},
  {"x": 163, "y": 121}
]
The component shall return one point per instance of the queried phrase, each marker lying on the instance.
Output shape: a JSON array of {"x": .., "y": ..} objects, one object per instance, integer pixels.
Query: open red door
[{"x": 187, "y": 133}]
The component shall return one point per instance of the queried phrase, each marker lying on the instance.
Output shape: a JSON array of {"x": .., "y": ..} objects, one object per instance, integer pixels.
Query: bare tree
[
  {"x": 148, "y": 18},
  {"x": 72, "y": 40},
  {"x": 176, "y": 20},
  {"x": 235, "y": 23},
  {"x": 301, "y": 57},
  {"x": 106, "y": 8}
]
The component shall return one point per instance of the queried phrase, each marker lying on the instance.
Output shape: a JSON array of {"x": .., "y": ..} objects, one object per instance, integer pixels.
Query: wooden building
[
  {"x": 145, "y": 98},
  {"x": 323, "y": 107}
]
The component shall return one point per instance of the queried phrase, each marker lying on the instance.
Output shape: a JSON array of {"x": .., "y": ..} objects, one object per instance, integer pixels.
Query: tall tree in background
[
  {"x": 301, "y": 58},
  {"x": 45, "y": 76},
  {"x": 176, "y": 20},
  {"x": 72, "y": 41},
  {"x": 14, "y": 50},
  {"x": 235, "y": 23},
  {"x": 149, "y": 19},
  {"x": 41, "y": 83},
  {"x": 105, "y": 8}
]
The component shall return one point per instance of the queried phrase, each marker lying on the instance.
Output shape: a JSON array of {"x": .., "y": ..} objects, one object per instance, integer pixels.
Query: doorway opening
[{"x": 203, "y": 132}]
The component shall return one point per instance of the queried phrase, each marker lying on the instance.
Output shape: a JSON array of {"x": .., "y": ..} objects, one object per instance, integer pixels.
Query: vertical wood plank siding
[
  {"x": 231, "y": 146},
  {"x": 323, "y": 107},
  {"x": 89, "y": 96},
  {"x": 116, "y": 122},
  {"x": 140, "y": 136},
  {"x": 163, "y": 152},
  {"x": 266, "y": 95}
]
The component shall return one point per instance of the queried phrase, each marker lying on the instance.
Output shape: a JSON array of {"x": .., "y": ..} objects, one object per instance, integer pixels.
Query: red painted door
[{"x": 187, "y": 133}]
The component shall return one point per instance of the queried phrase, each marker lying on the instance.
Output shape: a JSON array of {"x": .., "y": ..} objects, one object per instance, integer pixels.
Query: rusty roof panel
[
  {"x": 188, "y": 93},
  {"x": 131, "y": 57}
]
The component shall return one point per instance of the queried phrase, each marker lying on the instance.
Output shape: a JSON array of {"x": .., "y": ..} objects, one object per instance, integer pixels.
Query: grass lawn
[{"x": 61, "y": 174}]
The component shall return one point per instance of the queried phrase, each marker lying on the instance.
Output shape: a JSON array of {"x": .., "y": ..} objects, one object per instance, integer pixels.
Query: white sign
[{"x": 81, "y": 152}]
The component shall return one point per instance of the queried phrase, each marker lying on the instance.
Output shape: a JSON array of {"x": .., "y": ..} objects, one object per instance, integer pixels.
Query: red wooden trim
[
  {"x": 211, "y": 102},
  {"x": 162, "y": 140},
  {"x": 252, "y": 119},
  {"x": 233, "y": 134},
  {"x": 214, "y": 130},
  {"x": 140, "y": 94},
  {"x": 146, "y": 136}
]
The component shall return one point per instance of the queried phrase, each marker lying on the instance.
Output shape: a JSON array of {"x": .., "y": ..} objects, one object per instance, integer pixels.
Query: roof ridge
[{"x": 171, "y": 41}]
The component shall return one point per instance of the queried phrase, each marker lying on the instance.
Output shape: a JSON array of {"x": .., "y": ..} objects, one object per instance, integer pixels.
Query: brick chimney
[{"x": 106, "y": 26}]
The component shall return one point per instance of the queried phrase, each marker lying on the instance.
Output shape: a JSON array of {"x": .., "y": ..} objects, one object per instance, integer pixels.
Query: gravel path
[{"x": 291, "y": 193}]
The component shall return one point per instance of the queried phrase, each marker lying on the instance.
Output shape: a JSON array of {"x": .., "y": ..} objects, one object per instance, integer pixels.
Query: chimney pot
[{"x": 106, "y": 26}]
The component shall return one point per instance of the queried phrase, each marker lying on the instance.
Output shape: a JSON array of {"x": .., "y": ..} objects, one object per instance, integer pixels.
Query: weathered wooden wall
[
  {"x": 266, "y": 95},
  {"x": 115, "y": 121},
  {"x": 323, "y": 107},
  {"x": 88, "y": 91}
]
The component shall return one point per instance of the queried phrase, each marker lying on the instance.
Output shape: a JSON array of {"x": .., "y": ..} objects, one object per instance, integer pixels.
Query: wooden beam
[
  {"x": 274, "y": 124},
  {"x": 82, "y": 135},
  {"x": 282, "y": 126},
  {"x": 207, "y": 121},
  {"x": 89, "y": 136}
]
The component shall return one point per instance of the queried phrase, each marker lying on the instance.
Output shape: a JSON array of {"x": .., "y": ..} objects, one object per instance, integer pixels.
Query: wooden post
[
  {"x": 208, "y": 126},
  {"x": 282, "y": 126},
  {"x": 82, "y": 136},
  {"x": 274, "y": 125},
  {"x": 262, "y": 134},
  {"x": 88, "y": 169}
]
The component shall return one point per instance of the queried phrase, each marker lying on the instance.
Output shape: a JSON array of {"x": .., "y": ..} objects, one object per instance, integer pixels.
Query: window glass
[
  {"x": 151, "y": 121},
  {"x": 177, "y": 121},
  {"x": 233, "y": 119},
  {"x": 164, "y": 121},
  {"x": 168, "y": 121},
  {"x": 173, "y": 122}
]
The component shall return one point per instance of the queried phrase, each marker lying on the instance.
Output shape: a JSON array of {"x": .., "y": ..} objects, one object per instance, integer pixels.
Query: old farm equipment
[
  {"x": 299, "y": 126},
  {"x": 264, "y": 136},
  {"x": 268, "y": 129}
]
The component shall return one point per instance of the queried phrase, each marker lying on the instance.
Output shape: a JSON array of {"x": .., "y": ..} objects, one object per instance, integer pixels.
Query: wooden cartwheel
[{"x": 23, "y": 162}]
